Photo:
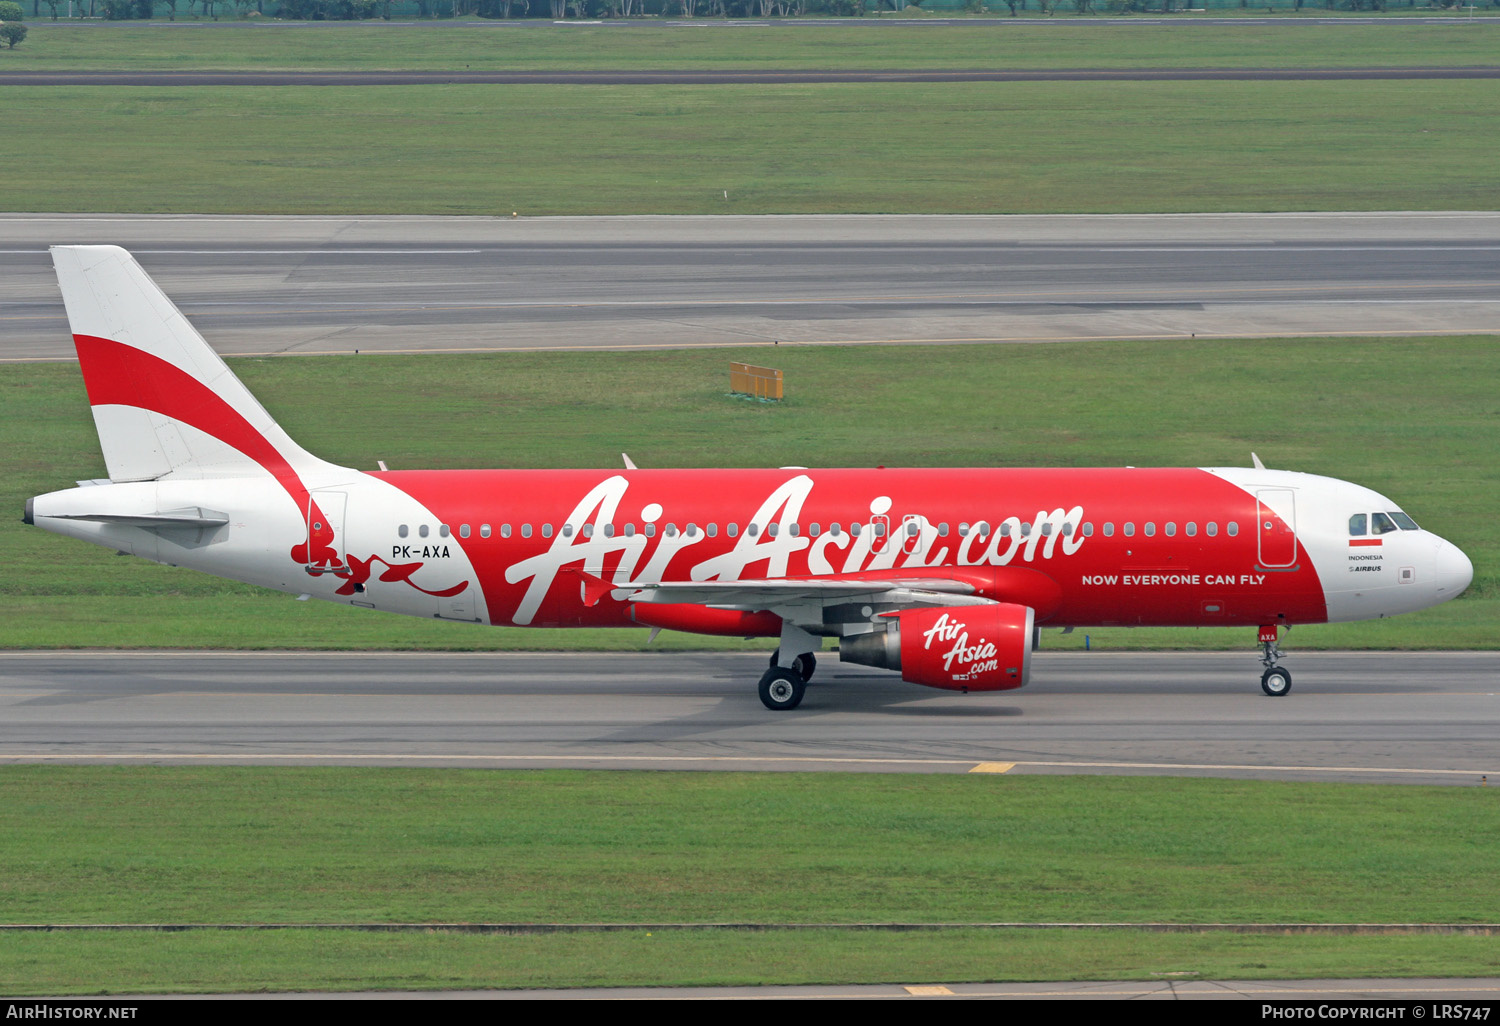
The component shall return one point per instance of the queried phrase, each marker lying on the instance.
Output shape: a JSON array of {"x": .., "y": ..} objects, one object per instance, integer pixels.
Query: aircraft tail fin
[{"x": 164, "y": 403}]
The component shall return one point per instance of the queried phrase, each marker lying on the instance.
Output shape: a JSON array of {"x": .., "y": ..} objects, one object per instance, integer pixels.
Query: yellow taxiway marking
[
  {"x": 937, "y": 990},
  {"x": 993, "y": 767}
]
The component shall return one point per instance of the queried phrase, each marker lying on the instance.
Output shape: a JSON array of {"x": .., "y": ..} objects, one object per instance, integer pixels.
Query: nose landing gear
[{"x": 1277, "y": 680}]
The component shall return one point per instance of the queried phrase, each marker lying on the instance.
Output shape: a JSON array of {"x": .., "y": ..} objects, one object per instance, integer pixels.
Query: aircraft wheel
[
  {"x": 805, "y": 664},
  {"x": 1276, "y": 682},
  {"x": 781, "y": 689}
]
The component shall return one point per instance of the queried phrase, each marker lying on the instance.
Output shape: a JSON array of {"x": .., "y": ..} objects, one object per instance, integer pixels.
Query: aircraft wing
[
  {"x": 771, "y": 594},
  {"x": 816, "y": 603}
]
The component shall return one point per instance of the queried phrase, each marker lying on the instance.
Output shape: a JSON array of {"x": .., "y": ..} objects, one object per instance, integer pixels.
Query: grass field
[
  {"x": 1322, "y": 406},
  {"x": 971, "y": 148},
  {"x": 227, "y": 845},
  {"x": 513, "y": 46}
]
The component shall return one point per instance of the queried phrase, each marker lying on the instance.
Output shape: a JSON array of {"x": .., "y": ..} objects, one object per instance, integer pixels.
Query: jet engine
[{"x": 965, "y": 648}]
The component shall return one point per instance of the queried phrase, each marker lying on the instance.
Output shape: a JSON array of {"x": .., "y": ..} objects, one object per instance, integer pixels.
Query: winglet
[{"x": 591, "y": 589}]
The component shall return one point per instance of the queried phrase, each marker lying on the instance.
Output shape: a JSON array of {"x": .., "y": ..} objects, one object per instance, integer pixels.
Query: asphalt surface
[
  {"x": 1183, "y": 988},
  {"x": 1417, "y": 718},
  {"x": 257, "y": 285},
  {"x": 748, "y": 76}
]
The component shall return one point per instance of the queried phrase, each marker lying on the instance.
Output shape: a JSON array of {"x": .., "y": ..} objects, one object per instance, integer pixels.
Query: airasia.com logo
[
  {"x": 947, "y": 629},
  {"x": 774, "y": 542}
]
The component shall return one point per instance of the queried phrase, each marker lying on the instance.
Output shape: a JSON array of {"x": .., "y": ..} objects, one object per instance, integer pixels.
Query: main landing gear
[
  {"x": 782, "y": 687},
  {"x": 1277, "y": 680}
]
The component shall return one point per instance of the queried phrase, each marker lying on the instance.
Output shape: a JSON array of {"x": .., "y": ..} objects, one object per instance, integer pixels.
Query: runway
[
  {"x": 1410, "y": 718},
  {"x": 315, "y": 285}
]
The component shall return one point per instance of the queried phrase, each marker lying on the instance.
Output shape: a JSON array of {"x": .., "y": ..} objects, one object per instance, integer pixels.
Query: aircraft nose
[{"x": 1454, "y": 571}]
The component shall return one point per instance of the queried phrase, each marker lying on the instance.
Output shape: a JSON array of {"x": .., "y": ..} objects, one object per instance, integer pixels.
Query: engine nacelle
[{"x": 964, "y": 648}]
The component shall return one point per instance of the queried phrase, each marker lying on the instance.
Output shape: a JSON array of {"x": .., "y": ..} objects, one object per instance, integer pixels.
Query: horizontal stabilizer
[{"x": 191, "y": 517}]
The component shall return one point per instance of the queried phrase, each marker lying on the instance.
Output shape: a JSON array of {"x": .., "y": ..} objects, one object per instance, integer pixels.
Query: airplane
[{"x": 945, "y": 575}]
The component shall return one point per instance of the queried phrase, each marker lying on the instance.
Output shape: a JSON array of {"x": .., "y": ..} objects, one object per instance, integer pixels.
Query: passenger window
[
  {"x": 1067, "y": 528},
  {"x": 525, "y": 530},
  {"x": 1088, "y": 529},
  {"x": 1109, "y": 529},
  {"x": 1381, "y": 524},
  {"x": 484, "y": 530},
  {"x": 505, "y": 530},
  {"x": 833, "y": 528},
  {"x": 546, "y": 530},
  {"x": 1192, "y": 529},
  {"x": 1212, "y": 529},
  {"x": 588, "y": 530},
  {"x": 752, "y": 530},
  {"x": 943, "y": 529},
  {"x": 650, "y": 530},
  {"x": 982, "y": 529},
  {"x": 854, "y": 530},
  {"x": 443, "y": 531},
  {"x": 630, "y": 530},
  {"x": 1005, "y": 529},
  {"x": 609, "y": 530},
  {"x": 402, "y": 531},
  {"x": 1170, "y": 529},
  {"x": 1129, "y": 530},
  {"x": 463, "y": 530},
  {"x": 692, "y": 530},
  {"x": 1232, "y": 528},
  {"x": 1403, "y": 521},
  {"x": 671, "y": 531},
  {"x": 422, "y": 531},
  {"x": 913, "y": 529},
  {"x": 812, "y": 530},
  {"x": 1357, "y": 526},
  {"x": 733, "y": 530},
  {"x": 1047, "y": 529},
  {"x": 1150, "y": 529},
  {"x": 567, "y": 530},
  {"x": 963, "y": 530},
  {"x": 880, "y": 530},
  {"x": 712, "y": 530}
]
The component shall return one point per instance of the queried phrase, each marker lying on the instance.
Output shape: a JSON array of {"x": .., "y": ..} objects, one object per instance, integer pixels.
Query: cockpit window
[
  {"x": 1357, "y": 525},
  {"x": 1403, "y": 521},
  {"x": 1381, "y": 524}
]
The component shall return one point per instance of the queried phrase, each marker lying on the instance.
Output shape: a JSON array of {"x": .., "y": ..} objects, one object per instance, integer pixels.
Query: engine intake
[{"x": 965, "y": 648}]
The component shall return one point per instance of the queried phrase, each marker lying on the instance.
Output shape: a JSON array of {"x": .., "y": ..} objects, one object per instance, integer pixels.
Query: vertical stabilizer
[{"x": 163, "y": 402}]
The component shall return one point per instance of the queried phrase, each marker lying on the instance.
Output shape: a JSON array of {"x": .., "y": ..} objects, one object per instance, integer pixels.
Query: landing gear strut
[{"x": 1277, "y": 680}]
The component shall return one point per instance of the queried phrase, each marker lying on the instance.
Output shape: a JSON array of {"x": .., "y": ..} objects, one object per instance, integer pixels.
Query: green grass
[
  {"x": 542, "y": 47},
  {"x": 303, "y": 960},
  {"x": 109, "y": 844},
  {"x": 221, "y": 845},
  {"x": 1054, "y": 147},
  {"x": 1321, "y": 406}
]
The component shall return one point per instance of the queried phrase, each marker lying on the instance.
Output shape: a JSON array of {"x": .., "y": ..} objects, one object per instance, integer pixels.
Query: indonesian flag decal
[{"x": 1360, "y": 543}]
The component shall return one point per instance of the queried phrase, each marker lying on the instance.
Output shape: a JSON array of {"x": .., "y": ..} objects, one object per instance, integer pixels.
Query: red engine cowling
[
  {"x": 967, "y": 648},
  {"x": 963, "y": 648}
]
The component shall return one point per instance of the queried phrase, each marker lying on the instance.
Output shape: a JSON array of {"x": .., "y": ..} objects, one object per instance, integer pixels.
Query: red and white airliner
[{"x": 944, "y": 575}]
